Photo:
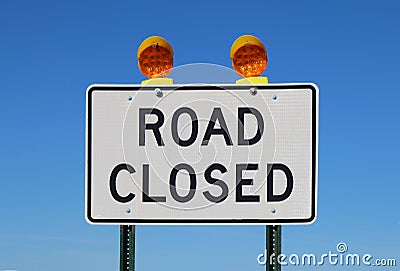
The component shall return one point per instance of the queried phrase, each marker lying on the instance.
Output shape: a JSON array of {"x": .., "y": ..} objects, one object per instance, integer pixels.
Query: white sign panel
[{"x": 202, "y": 154}]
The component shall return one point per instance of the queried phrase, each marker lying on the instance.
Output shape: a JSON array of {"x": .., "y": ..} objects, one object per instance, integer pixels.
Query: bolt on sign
[{"x": 202, "y": 154}]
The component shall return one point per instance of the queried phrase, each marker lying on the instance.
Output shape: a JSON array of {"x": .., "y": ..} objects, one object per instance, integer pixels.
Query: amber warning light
[
  {"x": 155, "y": 57},
  {"x": 249, "y": 56}
]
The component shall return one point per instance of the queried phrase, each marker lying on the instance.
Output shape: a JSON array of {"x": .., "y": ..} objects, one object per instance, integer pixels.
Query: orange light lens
[
  {"x": 155, "y": 61},
  {"x": 250, "y": 60}
]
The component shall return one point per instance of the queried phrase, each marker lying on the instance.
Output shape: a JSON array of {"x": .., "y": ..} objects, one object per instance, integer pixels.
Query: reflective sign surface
[{"x": 202, "y": 154}]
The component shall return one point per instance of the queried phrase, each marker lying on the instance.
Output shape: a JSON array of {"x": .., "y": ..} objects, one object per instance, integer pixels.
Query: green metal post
[
  {"x": 127, "y": 248},
  {"x": 273, "y": 238}
]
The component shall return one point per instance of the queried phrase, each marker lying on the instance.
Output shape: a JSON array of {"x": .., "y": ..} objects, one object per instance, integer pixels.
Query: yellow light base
[
  {"x": 158, "y": 81},
  {"x": 258, "y": 80}
]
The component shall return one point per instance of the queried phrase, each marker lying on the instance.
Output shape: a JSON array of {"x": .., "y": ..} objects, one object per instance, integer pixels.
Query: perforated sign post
[{"x": 202, "y": 154}]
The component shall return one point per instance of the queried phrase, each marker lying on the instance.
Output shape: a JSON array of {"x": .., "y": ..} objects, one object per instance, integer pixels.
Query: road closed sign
[{"x": 201, "y": 154}]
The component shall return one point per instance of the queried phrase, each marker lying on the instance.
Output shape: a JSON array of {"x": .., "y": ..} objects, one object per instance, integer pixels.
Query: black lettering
[
  {"x": 260, "y": 130},
  {"x": 217, "y": 115},
  {"x": 218, "y": 182},
  {"x": 143, "y": 126},
  {"x": 172, "y": 183},
  {"x": 270, "y": 182},
  {"x": 241, "y": 182},
  {"x": 146, "y": 188},
  {"x": 113, "y": 183},
  {"x": 174, "y": 127}
]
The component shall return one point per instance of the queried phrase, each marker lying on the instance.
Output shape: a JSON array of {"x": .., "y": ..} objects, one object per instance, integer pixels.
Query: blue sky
[{"x": 50, "y": 51}]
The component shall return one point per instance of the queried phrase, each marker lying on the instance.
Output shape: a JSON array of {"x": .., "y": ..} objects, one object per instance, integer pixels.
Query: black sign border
[{"x": 126, "y": 221}]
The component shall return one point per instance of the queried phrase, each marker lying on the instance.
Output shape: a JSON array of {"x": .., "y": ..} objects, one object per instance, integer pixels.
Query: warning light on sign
[
  {"x": 155, "y": 57},
  {"x": 249, "y": 56}
]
